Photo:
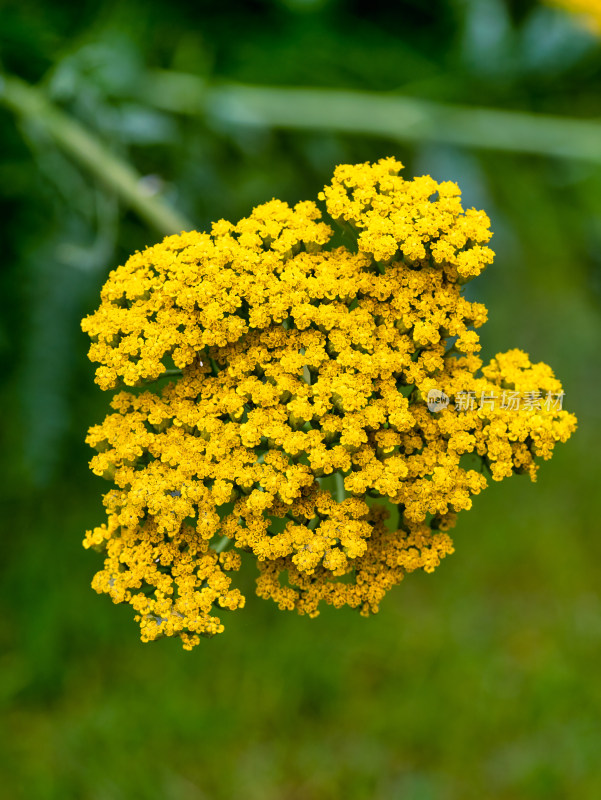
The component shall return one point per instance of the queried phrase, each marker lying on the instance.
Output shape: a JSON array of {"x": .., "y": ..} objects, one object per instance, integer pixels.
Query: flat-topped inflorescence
[{"x": 296, "y": 350}]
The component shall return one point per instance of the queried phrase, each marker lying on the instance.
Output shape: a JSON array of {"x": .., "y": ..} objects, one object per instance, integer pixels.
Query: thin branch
[{"x": 83, "y": 146}]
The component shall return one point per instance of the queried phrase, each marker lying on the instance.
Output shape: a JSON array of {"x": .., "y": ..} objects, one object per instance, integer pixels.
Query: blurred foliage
[{"x": 478, "y": 681}]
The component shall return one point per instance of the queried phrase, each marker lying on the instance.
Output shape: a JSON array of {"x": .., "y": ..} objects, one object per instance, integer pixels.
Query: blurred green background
[{"x": 121, "y": 120}]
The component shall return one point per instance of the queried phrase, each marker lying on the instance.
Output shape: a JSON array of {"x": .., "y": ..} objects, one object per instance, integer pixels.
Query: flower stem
[
  {"x": 220, "y": 546},
  {"x": 340, "y": 493},
  {"x": 32, "y": 106}
]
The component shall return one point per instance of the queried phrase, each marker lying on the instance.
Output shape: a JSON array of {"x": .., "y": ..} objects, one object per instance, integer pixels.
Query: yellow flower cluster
[{"x": 294, "y": 371}]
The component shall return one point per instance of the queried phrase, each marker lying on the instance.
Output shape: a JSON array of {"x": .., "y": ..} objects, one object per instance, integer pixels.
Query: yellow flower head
[{"x": 296, "y": 352}]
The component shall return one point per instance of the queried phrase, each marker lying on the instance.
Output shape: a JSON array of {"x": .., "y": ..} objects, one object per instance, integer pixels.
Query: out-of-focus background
[{"x": 121, "y": 121}]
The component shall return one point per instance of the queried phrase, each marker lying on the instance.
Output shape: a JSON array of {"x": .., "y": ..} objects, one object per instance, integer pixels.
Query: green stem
[
  {"x": 220, "y": 546},
  {"x": 377, "y": 114},
  {"x": 31, "y": 105},
  {"x": 168, "y": 373},
  {"x": 340, "y": 493}
]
